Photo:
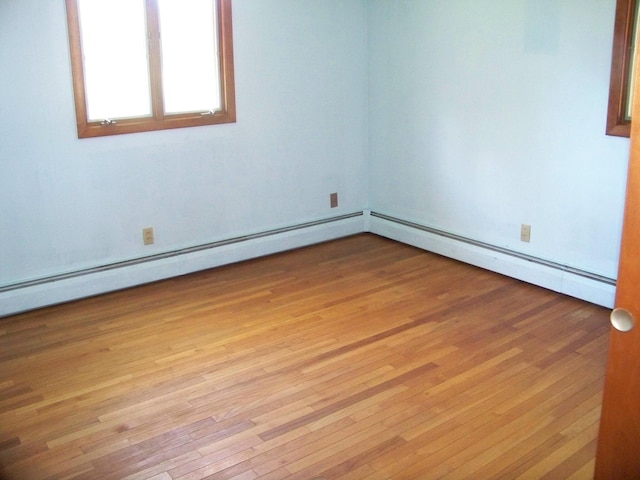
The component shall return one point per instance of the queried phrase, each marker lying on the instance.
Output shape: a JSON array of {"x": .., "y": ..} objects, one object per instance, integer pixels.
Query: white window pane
[
  {"x": 190, "y": 72},
  {"x": 114, "y": 45}
]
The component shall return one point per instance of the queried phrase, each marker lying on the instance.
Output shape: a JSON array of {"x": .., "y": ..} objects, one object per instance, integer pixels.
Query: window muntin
[{"x": 141, "y": 65}]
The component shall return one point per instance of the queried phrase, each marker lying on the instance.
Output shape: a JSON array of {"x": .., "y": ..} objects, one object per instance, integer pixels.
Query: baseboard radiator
[
  {"x": 502, "y": 250},
  {"x": 47, "y": 290},
  {"x": 290, "y": 237}
]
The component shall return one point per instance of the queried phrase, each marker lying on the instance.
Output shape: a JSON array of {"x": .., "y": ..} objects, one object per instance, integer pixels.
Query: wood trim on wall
[{"x": 617, "y": 122}]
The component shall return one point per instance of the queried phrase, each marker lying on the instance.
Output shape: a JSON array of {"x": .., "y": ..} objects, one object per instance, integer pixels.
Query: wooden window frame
[
  {"x": 158, "y": 120},
  {"x": 618, "y": 124}
]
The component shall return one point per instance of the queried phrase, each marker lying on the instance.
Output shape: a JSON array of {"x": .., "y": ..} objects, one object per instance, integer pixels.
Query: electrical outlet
[
  {"x": 147, "y": 236},
  {"x": 333, "y": 200},
  {"x": 525, "y": 233}
]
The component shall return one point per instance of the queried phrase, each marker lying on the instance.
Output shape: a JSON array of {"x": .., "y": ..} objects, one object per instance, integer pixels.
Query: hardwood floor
[{"x": 361, "y": 358}]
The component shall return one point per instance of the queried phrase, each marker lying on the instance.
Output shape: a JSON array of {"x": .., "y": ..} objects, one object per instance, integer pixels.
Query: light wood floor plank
[{"x": 359, "y": 358}]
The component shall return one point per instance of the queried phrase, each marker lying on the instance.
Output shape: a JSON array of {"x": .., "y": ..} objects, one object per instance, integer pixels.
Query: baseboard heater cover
[
  {"x": 174, "y": 253},
  {"x": 497, "y": 249}
]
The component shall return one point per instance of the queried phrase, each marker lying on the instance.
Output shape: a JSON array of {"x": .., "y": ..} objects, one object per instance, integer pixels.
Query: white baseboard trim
[
  {"x": 559, "y": 278},
  {"x": 37, "y": 293}
]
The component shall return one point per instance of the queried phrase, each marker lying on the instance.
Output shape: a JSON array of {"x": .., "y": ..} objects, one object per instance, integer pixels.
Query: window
[
  {"x": 622, "y": 69},
  {"x": 142, "y": 65}
]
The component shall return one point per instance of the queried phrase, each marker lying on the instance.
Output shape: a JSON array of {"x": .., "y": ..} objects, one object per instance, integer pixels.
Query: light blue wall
[
  {"x": 301, "y": 134},
  {"x": 469, "y": 116},
  {"x": 486, "y": 114}
]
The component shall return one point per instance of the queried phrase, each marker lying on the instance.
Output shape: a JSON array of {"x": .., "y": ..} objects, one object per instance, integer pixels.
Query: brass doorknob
[{"x": 622, "y": 319}]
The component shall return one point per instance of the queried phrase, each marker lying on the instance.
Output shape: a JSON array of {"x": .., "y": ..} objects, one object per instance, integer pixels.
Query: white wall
[
  {"x": 69, "y": 204},
  {"x": 486, "y": 114},
  {"x": 469, "y": 116}
]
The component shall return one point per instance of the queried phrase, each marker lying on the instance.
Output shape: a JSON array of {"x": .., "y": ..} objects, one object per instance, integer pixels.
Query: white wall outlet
[{"x": 525, "y": 233}]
